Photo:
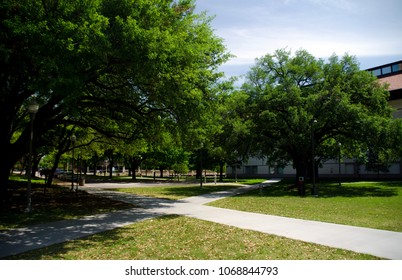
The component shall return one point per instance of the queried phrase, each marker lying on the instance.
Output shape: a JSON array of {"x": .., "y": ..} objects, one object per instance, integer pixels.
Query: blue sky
[{"x": 371, "y": 30}]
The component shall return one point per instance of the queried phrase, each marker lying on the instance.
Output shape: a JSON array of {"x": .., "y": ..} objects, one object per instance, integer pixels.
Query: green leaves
[
  {"x": 289, "y": 93},
  {"x": 128, "y": 69}
]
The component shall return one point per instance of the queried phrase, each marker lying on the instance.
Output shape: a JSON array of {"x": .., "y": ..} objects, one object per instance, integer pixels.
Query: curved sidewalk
[{"x": 384, "y": 244}]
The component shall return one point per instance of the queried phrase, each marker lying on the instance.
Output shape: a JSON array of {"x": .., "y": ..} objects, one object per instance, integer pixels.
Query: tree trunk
[
  {"x": 111, "y": 163},
  {"x": 5, "y": 168},
  {"x": 135, "y": 162},
  {"x": 300, "y": 164},
  {"x": 134, "y": 166},
  {"x": 221, "y": 165},
  {"x": 11, "y": 154},
  {"x": 35, "y": 165},
  {"x": 85, "y": 167},
  {"x": 94, "y": 161},
  {"x": 54, "y": 167},
  {"x": 198, "y": 173}
]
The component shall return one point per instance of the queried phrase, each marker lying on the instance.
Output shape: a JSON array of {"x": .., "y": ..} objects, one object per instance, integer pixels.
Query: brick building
[{"x": 392, "y": 75}]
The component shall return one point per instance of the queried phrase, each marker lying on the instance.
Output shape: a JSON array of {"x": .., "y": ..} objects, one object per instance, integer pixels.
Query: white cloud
[
  {"x": 254, "y": 28},
  {"x": 347, "y": 5}
]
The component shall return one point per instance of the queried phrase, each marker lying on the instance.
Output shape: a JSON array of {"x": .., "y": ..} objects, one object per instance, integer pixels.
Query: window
[
  {"x": 386, "y": 70},
  {"x": 396, "y": 67},
  {"x": 377, "y": 72}
]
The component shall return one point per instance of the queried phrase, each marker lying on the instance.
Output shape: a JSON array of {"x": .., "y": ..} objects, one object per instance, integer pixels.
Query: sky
[{"x": 371, "y": 30}]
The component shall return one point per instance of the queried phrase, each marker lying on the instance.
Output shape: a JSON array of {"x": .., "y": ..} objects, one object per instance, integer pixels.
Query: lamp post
[
  {"x": 339, "y": 163},
  {"x": 73, "y": 139},
  {"x": 32, "y": 110},
  {"x": 314, "y": 189}
]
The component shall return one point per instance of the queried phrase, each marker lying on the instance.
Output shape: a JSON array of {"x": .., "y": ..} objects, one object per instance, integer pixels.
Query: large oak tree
[
  {"x": 301, "y": 106},
  {"x": 112, "y": 65}
]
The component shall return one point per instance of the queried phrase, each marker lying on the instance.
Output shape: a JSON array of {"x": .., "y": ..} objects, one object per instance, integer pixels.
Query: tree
[
  {"x": 134, "y": 153},
  {"x": 232, "y": 142},
  {"x": 302, "y": 104},
  {"x": 109, "y": 65},
  {"x": 167, "y": 157},
  {"x": 384, "y": 148}
]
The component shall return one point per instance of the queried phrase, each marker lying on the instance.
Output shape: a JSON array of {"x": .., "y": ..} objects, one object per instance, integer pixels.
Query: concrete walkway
[{"x": 384, "y": 244}]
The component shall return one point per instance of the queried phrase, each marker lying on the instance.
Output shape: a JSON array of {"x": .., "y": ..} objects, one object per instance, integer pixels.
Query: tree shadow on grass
[
  {"x": 327, "y": 190},
  {"x": 57, "y": 203},
  {"x": 362, "y": 191},
  {"x": 105, "y": 245}
]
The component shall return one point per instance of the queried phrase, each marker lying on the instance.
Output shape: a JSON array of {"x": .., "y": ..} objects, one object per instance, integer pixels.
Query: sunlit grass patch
[
  {"x": 183, "y": 238},
  {"x": 366, "y": 204}
]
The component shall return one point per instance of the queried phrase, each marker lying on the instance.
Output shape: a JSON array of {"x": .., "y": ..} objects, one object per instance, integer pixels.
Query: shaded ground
[{"x": 56, "y": 203}]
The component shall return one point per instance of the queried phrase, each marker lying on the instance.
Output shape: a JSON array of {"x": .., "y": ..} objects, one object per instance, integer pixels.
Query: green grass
[
  {"x": 365, "y": 204},
  {"x": 183, "y": 179},
  {"x": 245, "y": 181},
  {"x": 123, "y": 178},
  {"x": 182, "y": 238},
  {"x": 175, "y": 192},
  {"x": 17, "y": 181},
  {"x": 370, "y": 204}
]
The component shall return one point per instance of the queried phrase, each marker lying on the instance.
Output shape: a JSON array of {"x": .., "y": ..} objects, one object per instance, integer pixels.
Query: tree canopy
[
  {"x": 118, "y": 67},
  {"x": 300, "y": 103},
  {"x": 145, "y": 71}
]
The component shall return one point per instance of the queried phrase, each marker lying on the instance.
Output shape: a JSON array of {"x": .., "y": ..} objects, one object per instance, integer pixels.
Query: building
[
  {"x": 392, "y": 75},
  {"x": 256, "y": 167}
]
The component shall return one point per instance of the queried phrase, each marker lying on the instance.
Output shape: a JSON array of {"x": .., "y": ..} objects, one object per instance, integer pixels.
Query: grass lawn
[
  {"x": 376, "y": 205},
  {"x": 60, "y": 203},
  {"x": 366, "y": 204},
  {"x": 183, "y": 179},
  {"x": 182, "y": 238},
  {"x": 175, "y": 192},
  {"x": 178, "y": 191}
]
